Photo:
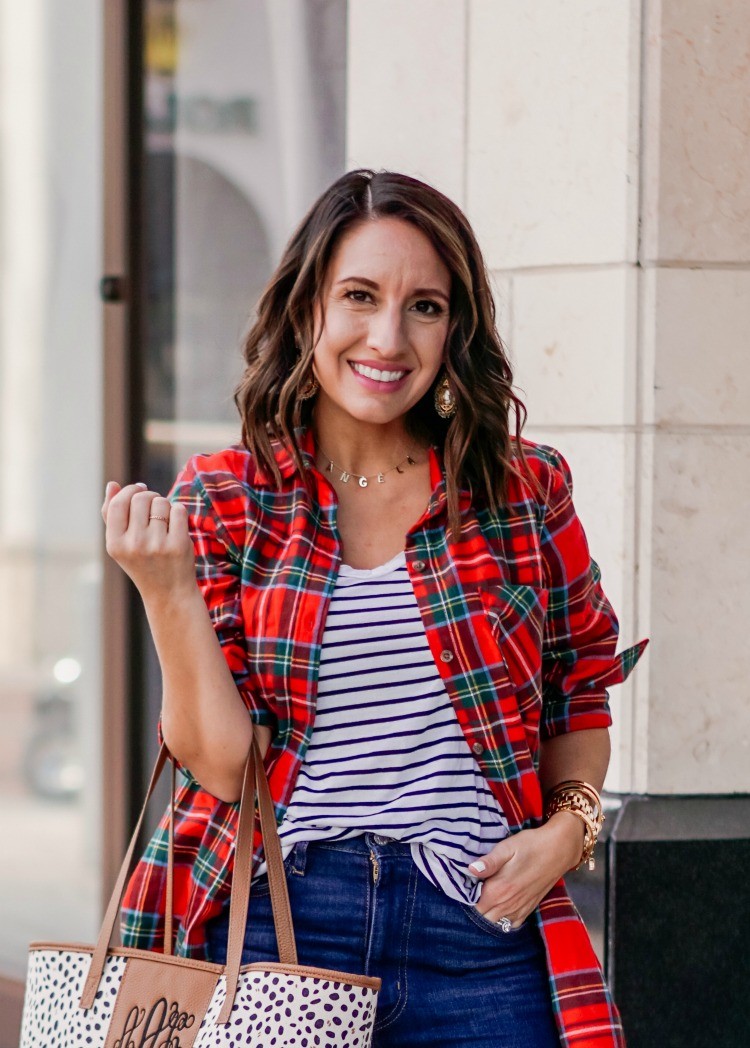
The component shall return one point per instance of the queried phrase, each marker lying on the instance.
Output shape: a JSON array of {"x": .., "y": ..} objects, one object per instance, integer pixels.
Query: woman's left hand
[{"x": 520, "y": 870}]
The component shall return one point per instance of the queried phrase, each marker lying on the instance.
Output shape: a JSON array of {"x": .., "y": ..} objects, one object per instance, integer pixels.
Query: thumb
[{"x": 490, "y": 863}]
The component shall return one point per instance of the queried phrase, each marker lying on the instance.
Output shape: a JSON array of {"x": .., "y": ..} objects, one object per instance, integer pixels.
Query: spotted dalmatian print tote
[{"x": 98, "y": 997}]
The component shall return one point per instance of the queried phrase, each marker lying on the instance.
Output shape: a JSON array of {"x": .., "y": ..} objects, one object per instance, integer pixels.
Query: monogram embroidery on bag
[
  {"x": 160, "y": 1005},
  {"x": 159, "y": 1028}
]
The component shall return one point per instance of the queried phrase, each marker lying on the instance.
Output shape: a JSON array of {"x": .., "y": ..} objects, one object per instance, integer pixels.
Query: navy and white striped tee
[{"x": 387, "y": 753}]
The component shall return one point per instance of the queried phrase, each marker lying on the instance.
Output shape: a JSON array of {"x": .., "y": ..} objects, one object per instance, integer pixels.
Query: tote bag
[{"x": 102, "y": 997}]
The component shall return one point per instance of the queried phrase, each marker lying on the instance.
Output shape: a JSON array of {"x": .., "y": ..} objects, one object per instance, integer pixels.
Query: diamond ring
[{"x": 505, "y": 924}]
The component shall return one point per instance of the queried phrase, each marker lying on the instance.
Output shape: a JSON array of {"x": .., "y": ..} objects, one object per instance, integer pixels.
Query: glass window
[
  {"x": 245, "y": 126},
  {"x": 50, "y": 472}
]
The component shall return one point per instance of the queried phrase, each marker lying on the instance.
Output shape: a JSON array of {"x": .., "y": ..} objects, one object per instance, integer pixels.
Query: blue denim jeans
[{"x": 450, "y": 976}]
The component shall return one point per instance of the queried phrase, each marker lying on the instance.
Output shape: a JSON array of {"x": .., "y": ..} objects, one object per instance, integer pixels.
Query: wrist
[
  {"x": 173, "y": 599},
  {"x": 582, "y": 800},
  {"x": 570, "y": 834}
]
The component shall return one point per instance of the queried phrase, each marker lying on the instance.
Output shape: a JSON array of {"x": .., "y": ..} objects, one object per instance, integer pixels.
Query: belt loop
[{"x": 299, "y": 858}]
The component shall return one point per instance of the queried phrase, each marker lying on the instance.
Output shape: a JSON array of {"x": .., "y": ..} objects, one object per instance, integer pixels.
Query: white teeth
[{"x": 379, "y": 376}]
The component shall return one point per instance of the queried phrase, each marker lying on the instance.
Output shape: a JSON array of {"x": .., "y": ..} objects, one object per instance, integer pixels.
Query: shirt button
[
  {"x": 477, "y": 748},
  {"x": 419, "y": 565},
  {"x": 446, "y": 655}
]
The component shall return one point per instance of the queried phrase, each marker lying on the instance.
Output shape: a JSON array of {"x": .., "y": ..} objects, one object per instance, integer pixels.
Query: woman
[{"x": 407, "y": 613}]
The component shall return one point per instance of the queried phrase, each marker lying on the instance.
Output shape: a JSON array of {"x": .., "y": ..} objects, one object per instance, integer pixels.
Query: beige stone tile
[
  {"x": 573, "y": 345},
  {"x": 637, "y": 753},
  {"x": 406, "y": 97},
  {"x": 699, "y": 324},
  {"x": 696, "y": 193},
  {"x": 553, "y": 130},
  {"x": 699, "y": 690},
  {"x": 502, "y": 292}
]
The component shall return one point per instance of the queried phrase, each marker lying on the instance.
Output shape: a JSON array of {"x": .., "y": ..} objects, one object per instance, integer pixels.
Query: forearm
[
  {"x": 574, "y": 755},
  {"x": 204, "y": 721}
]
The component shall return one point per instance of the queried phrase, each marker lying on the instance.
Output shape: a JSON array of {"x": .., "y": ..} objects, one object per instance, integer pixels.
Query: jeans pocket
[
  {"x": 490, "y": 926},
  {"x": 261, "y": 885}
]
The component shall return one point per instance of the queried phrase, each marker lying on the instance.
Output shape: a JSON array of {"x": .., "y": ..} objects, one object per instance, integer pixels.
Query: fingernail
[
  {"x": 478, "y": 865},
  {"x": 140, "y": 484}
]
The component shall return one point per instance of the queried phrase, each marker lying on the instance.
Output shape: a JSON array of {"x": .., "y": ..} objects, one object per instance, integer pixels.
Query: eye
[
  {"x": 357, "y": 295},
  {"x": 428, "y": 307}
]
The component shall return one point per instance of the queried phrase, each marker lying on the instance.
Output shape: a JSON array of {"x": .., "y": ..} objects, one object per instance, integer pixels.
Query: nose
[{"x": 386, "y": 332}]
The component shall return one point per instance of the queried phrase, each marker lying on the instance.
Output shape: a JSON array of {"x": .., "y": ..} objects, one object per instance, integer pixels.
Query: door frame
[{"x": 122, "y": 142}]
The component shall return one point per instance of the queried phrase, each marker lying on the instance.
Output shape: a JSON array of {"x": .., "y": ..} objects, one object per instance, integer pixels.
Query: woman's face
[{"x": 386, "y": 302}]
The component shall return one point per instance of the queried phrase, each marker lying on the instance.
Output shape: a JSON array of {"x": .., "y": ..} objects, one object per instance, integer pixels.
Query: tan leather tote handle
[
  {"x": 169, "y": 905},
  {"x": 254, "y": 777},
  {"x": 102, "y": 944}
]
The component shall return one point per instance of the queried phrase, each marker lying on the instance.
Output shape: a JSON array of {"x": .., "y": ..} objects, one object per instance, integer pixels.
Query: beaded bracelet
[{"x": 581, "y": 799}]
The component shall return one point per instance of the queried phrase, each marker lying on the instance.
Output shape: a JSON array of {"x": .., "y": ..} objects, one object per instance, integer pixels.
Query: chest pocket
[{"x": 515, "y": 615}]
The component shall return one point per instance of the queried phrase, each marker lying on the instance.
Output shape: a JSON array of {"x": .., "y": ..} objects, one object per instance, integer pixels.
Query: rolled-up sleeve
[
  {"x": 579, "y": 660},
  {"x": 218, "y": 569}
]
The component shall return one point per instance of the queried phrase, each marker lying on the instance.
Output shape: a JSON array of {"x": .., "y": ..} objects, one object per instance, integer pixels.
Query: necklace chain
[{"x": 362, "y": 480}]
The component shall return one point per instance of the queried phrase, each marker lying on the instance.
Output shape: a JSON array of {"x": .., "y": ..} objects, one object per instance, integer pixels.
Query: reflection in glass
[
  {"x": 50, "y": 470},
  {"x": 245, "y": 113}
]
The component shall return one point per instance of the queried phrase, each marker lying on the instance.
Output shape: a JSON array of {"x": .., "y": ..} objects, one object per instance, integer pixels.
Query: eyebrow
[{"x": 436, "y": 292}]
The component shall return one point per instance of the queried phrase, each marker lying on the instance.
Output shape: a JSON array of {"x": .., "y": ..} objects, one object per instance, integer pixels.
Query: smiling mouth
[{"x": 375, "y": 374}]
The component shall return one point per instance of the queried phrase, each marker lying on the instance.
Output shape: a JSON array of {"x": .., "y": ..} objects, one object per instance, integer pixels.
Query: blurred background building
[{"x": 155, "y": 156}]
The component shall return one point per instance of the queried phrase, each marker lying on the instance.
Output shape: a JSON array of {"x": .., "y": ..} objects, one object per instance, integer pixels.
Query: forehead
[{"x": 387, "y": 247}]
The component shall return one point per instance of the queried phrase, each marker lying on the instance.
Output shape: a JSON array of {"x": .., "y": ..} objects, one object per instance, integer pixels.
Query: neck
[{"x": 361, "y": 447}]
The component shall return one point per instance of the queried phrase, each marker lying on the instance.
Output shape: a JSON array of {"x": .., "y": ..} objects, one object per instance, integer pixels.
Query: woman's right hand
[{"x": 157, "y": 555}]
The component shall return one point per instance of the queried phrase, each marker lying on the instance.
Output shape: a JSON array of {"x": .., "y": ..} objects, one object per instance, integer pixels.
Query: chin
[
  {"x": 377, "y": 417},
  {"x": 367, "y": 410}
]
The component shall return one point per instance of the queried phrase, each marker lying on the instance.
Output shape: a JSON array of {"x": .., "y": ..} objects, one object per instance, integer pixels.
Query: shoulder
[
  {"x": 217, "y": 490},
  {"x": 223, "y": 473},
  {"x": 212, "y": 476},
  {"x": 234, "y": 459},
  {"x": 228, "y": 491},
  {"x": 547, "y": 466}
]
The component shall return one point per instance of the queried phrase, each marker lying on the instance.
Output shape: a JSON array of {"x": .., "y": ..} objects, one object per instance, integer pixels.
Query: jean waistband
[{"x": 363, "y": 843}]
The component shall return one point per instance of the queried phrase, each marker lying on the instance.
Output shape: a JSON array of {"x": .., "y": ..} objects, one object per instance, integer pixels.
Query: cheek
[
  {"x": 432, "y": 343},
  {"x": 341, "y": 329}
]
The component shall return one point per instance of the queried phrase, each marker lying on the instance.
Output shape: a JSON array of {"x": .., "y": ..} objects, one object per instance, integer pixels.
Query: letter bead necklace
[{"x": 346, "y": 475}]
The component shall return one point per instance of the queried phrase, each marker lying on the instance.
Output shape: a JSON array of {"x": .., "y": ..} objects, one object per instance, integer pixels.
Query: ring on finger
[{"x": 505, "y": 923}]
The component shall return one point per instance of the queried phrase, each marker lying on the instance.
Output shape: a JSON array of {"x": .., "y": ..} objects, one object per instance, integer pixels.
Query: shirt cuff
[{"x": 587, "y": 706}]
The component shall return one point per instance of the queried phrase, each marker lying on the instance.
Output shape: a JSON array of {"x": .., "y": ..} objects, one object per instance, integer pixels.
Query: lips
[{"x": 378, "y": 374}]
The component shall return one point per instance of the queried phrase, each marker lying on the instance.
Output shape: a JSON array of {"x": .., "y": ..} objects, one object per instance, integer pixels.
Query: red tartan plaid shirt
[{"x": 516, "y": 619}]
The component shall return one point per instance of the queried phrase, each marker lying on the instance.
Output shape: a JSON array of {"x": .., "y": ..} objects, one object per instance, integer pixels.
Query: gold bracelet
[{"x": 581, "y": 799}]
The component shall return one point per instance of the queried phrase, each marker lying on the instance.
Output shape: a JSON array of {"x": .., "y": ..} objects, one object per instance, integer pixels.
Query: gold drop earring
[
  {"x": 309, "y": 389},
  {"x": 446, "y": 404}
]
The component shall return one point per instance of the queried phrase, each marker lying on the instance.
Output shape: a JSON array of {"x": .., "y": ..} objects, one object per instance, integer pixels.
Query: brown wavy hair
[{"x": 478, "y": 450}]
